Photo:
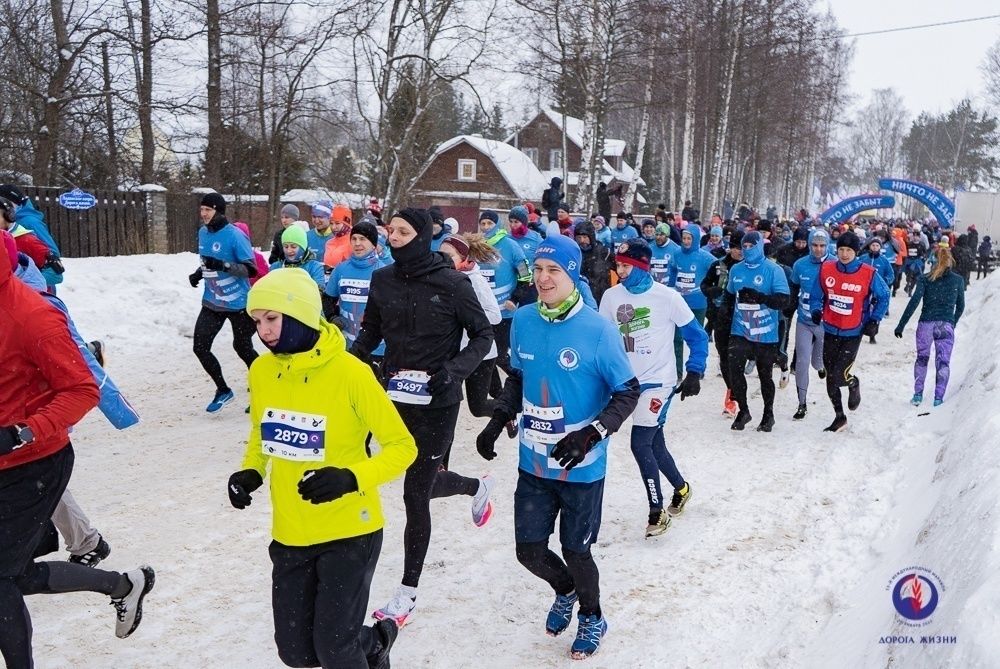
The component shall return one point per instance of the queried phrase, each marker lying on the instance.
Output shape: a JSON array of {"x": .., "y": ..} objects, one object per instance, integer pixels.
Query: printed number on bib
[
  {"x": 409, "y": 387},
  {"x": 293, "y": 436},
  {"x": 543, "y": 425}
]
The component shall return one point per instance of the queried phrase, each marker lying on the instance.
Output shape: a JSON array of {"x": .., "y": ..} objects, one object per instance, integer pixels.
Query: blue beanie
[
  {"x": 322, "y": 209},
  {"x": 519, "y": 213},
  {"x": 564, "y": 252},
  {"x": 490, "y": 216},
  {"x": 716, "y": 231}
]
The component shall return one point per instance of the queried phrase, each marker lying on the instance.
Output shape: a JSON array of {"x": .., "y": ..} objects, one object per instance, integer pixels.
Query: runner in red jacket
[{"x": 46, "y": 388}]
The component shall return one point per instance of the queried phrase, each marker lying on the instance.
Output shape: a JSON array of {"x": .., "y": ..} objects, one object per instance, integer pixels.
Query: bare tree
[
  {"x": 877, "y": 137},
  {"x": 991, "y": 72}
]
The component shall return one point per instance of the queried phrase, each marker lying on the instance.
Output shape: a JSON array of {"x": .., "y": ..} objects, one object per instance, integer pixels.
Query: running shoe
[
  {"x": 93, "y": 557},
  {"x": 658, "y": 523},
  {"x": 679, "y": 500},
  {"x": 560, "y": 614},
  {"x": 222, "y": 398},
  {"x": 482, "y": 506},
  {"x": 128, "y": 609},
  {"x": 588, "y": 636},
  {"x": 400, "y": 607}
]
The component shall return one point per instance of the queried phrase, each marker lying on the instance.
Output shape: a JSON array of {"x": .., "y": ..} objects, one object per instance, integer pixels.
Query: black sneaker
[
  {"x": 801, "y": 413},
  {"x": 853, "y": 394},
  {"x": 742, "y": 418},
  {"x": 838, "y": 425},
  {"x": 821, "y": 373},
  {"x": 92, "y": 558},
  {"x": 679, "y": 499},
  {"x": 766, "y": 423},
  {"x": 385, "y": 632}
]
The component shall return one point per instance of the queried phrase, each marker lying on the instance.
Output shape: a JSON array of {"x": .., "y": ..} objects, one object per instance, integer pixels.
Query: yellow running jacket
[{"x": 312, "y": 410}]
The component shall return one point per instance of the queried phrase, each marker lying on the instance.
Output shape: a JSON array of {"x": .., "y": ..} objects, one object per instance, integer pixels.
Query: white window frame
[
  {"x": 532, "y": 152},
  {"x": 555, "y": 159},
  {"x": 466, "y": 162}
]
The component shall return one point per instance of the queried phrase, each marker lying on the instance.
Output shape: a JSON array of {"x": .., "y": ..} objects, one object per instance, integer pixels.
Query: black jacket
[
  {"x": 597, "y": 263},
  {"x": 277, "y": 250},
  {"x": 422, "y": 318}
]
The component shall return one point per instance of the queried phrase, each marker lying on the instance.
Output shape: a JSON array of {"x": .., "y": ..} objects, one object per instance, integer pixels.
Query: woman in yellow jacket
[{"x": 311, "y": 406}]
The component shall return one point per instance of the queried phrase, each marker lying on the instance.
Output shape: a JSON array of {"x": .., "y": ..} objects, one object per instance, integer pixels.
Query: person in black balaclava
[{"x": 420, "y": 306}]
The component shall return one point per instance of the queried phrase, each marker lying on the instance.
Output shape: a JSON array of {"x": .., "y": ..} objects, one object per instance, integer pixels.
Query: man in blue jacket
[
  {"x": 690, "y": 266},
  {"x": 756, "y": 293}
]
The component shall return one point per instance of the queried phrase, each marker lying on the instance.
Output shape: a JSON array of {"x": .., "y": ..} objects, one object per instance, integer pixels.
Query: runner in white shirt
[{"x": 647, "y": 314}]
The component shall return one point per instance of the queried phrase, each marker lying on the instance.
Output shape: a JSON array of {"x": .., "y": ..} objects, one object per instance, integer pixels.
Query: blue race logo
[
  {"x": 569, "y": 359},
  {"x": 915, "y": 595}
]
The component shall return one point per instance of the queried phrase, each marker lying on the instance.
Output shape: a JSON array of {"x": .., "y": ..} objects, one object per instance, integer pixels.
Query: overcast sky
[{"x": 932, "y": 68}]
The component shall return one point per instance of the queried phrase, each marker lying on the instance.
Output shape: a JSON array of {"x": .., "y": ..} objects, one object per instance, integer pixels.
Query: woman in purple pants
[{"x": 943, "y": 294}]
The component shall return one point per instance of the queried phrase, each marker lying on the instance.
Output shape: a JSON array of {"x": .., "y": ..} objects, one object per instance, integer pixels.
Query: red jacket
[
  {"x": 846, "y": 294},
  {"x": 44, "y": 381},
  {"x": 33, "y": 247}
]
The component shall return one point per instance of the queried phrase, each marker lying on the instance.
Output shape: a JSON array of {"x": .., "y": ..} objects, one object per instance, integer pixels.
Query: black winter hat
[
  {"x": 850, "y": 240},
  {"x": 13, "y": 193},
  {"x": 214, "y": 201},
  {"x": 764, "y": 225},
  {"x": 635, "y": 252},
  {"x": 736, "y": 238},
  {"x": 417, "y": 218},
  {"x": 366, "y": 230},
  {"x": 436, "y": 214},
  {"x": 800, "y": 234}
]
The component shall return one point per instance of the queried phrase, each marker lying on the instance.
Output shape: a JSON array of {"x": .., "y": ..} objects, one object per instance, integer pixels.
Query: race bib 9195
[{"x": 291, "y": 435}]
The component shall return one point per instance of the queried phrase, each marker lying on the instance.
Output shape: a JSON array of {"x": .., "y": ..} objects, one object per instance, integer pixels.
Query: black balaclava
[
  {"x": 295, "y": 337},
  {"x": 416, "y": 258}
]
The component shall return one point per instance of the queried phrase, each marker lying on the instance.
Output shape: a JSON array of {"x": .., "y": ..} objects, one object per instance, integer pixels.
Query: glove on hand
[
  {"x": 573, "y": 448},
  {"x": 327, "y": 484},
  {"x": 195, "y": 278},
  {"x": 241, "y": 484},
  {"x": 487, "y": 439},
  {"x": 690, "y": 386}
]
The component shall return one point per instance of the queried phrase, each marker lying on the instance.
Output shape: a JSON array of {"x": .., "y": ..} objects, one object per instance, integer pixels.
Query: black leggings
[
  {"x": 477, "y": 389},
  {"x": 579, "y": 572},
  {"x": 319, "y": 595},
  {"x": 205, "y": 330},
  {"x": 740, "y": 351},
  {"x": 427, "y": 478},
  {"x": 501, "y": 336},
  {"x": 839, "y": 354},
  {"x": 722, "y": 346}
]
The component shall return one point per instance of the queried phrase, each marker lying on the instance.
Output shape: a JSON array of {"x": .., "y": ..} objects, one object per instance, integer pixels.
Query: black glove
[
  {"x": 241, "y": 484},
  {"x": 54, "y": 263},
  {"x": 871, "y": 329},
  {"x": 327, "y": 484},
  {"x": 440, "y": 382},
  {"x": 195, "y": 277},
  {"x": 750, "y": 296},
  {"x": 487, "y": 439},
  {"x": 690, "y": 386},
  {"x": 817, "y": 317},
  {"x": 573, "y": 448},
  {"x": 213, "y": 264},
  {"x": 898, "y": 332},
  {"x": 8, "y": 439}
]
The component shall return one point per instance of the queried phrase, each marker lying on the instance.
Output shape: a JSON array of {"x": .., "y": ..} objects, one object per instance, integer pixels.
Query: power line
[{"x": 920, "y": 27}]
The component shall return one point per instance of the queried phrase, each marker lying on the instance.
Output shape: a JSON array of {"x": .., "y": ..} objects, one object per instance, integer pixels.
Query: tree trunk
[
  {"x": 640, "y": 154},
  {"x": 687, "y": 140},
  {"x": 145, "y": 110},
  {"x": 720, "y": 144},
  {"x": 213, "y": 149},
  {"x": 109, "y": 116}
]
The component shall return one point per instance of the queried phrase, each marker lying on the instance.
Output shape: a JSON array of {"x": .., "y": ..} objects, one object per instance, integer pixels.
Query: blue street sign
[{"x": 77, "y": 199}]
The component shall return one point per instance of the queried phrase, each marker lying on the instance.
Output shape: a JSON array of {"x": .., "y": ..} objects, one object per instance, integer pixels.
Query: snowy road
[{"x": 780, "y": 560}]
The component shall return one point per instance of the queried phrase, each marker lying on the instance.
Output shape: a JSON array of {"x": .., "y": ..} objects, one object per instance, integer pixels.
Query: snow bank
[{"x": 780, "y": 560}]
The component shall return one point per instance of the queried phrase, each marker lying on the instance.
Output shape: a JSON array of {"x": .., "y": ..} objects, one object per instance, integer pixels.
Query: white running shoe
[
  {"x": 128, "y": 609},
  {"x": 400, "y": 607},
  {"x": 482, "y": 507}
]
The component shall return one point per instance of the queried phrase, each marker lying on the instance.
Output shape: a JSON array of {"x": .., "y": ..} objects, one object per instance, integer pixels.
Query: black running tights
[{"x": 205, "y": 330}]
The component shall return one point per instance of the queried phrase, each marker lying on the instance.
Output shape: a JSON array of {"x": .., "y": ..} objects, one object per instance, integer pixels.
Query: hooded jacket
[
  {"x": 598, "y": 262},
  {"x": 47, "y": 384},
  {"x": 688, "y": 270},
  {"x": 348, "y": 402},
  {"x": 420, "y": 306}
]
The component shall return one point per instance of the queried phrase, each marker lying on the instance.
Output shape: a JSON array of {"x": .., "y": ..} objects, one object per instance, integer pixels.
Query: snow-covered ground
[{"x": 781, "y": 559}]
